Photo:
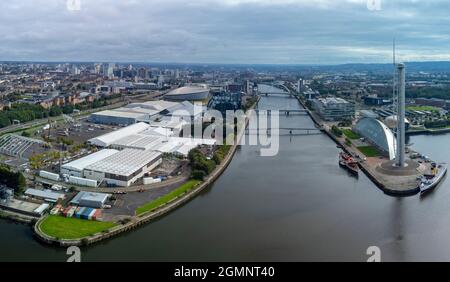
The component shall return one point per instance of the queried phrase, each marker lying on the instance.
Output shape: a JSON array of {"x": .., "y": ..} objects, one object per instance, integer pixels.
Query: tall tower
[
  {"x": 400, "y": 159},
  {"x": 300, "y": 86}
]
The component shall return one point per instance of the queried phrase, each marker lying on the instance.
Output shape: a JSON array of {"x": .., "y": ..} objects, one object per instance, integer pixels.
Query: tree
[
  {"x": 198, "y": 174},
  {"x": 13, "y": 180},
  {"x": 36, "y": 161},
  {"x": 336, "y": 131},
  {"x": 26, "y": 134},
  {"x": 55, "y": 111},
  {"x": 67, "y": 109},
  {"x": 200, "y": 162}
]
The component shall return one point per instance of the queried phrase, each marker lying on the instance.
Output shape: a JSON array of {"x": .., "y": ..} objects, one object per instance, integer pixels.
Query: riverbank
[
  {"x": 428, "y": 131},
  {"x": 16, "y": 217}
]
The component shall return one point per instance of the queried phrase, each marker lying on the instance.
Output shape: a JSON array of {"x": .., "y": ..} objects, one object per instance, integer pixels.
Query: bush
[
  {"x": 200, "y": 162},
  {"x": 26, "y": 134},
  {"x": 220, "y": 154},
  {"x": 336, "y": 131},
  {"x": 198, "y": 174},
  {"x": 348, "y": 142}
]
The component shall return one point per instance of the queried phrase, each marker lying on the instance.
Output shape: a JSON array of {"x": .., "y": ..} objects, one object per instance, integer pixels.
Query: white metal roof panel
[
  {"x": 125, "y": 162},
  {"x": 81, "y": 164}
]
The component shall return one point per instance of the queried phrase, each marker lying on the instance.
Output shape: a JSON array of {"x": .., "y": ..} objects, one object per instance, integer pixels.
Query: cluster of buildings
[
  {"x": 151, "y": 111},
  {"x": 127, "y": 155},
  {"x": 55, "y": 98}
]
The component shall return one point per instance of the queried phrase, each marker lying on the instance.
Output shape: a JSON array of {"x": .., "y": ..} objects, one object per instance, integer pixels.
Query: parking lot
[
  {"x": 80, "y": 131},
  {"x": 126, "y": 205}
]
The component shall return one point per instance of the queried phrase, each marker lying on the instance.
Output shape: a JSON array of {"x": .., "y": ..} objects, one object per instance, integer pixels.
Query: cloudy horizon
[{"x": 224, "y": 31}]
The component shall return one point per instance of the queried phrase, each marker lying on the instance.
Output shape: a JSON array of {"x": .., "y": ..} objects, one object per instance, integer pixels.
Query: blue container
[
  {"x": 80, "y": 212},
  {"x": 86, "y": 213}
]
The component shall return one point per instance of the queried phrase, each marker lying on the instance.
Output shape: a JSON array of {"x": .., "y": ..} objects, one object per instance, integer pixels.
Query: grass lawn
[
  {"x": 350, "y": 134},
  {"x": 72, "y": 228},
  {"x": 369, "y": 151},
  {"x": 168, "y": 197},
  {"x": 422, "y": 108}
]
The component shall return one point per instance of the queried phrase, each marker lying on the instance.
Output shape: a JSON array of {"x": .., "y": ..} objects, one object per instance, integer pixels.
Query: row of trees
[
  {"x": 200, "y": 165},
  {"x": 428, "y": 92},
  {"x": 437, "y": 123},
  {"x": 13, "y": 180},
  {"x": 24, "y": 112}
]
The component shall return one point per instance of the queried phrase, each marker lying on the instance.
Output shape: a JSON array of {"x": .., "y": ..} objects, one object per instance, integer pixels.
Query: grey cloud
[{"x": 227, "y": 31}]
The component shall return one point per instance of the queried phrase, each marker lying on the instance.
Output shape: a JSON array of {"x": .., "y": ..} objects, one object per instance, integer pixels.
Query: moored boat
[
  {"x": 346, "y": 161},
  {"x": 428, "y": 183}
]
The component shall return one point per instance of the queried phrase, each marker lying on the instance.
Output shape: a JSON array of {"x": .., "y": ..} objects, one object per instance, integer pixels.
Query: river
[{"x": 297, "y": 206}]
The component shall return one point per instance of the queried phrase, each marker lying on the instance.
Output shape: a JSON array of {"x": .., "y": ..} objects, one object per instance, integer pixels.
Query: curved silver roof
[{"x": 186, "y": 90}]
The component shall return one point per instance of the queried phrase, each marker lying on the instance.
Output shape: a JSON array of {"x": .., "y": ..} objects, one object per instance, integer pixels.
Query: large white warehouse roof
[
  {"x": 81, "y": 164},
  {"x": 120, "y": 113},
  {"x": 125, "y": 163},
  {"x": 141, "y": 142},
  {"x": 108, "y": 139}
]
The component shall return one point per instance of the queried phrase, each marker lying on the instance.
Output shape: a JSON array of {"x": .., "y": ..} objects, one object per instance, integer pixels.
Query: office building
[{"x": 334, "y": 109}]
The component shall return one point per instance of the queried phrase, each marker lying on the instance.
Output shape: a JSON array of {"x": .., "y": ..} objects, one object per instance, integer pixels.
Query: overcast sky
[{"x": 225, "y": 31}]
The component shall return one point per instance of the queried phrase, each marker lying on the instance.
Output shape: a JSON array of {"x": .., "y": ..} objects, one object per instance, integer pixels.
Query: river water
[{"x": 297, "y": 206}]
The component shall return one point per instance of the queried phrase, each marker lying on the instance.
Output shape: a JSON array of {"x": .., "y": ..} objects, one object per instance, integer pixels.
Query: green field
[
  {"x": 350, "y": 134},
  {"x": 167, "y": 198},
  {"x": 369, "y": 151},
  {"x": 72, "y": 228},
  {"x": 422, "y": 108}
]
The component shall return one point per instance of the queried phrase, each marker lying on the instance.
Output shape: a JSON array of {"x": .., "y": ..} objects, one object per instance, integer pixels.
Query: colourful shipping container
[
  {"x": 92, "y": 214},
  {"x": 86, "y": 213},
  {"x": 66, "y": 210},
  {"x": 80, "y": 212},
  {"x": 71, "y": 212},
  {"x": 98, "y": 215}
]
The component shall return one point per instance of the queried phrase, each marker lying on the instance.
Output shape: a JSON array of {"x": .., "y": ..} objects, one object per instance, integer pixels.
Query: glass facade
[
  {"x": 334, "y": 109},
  {"x": 378, "y": 134}
]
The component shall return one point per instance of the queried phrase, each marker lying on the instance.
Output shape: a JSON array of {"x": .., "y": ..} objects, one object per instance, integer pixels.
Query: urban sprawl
[{"x": 104, "y": 145}]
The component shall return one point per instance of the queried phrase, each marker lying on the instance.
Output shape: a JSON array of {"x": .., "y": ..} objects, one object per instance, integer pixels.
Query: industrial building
[
  {"x": 378, "y": 134},
  {"x": 148, "y": 112},
  {"x": 90, "y": 199},
  {"x": 189, "y": 93},
  {"x": 77, "y": 167},
  {"x": 117, "y": 117},
  {"x": 123, "y": 168},
  {"x": 108, "y": 139},
  {"x": 45, "y": 195},
  {"x": 142, "y": 136},
  {"x": 334, "y": 109},
  {"x": 374, "y": 100}
]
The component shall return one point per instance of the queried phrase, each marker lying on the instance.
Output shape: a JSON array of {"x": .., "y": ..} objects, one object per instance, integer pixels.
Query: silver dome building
[{"x": 189, "y": 93}]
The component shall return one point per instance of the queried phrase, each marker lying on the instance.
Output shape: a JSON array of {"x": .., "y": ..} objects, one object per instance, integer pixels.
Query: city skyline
[{"x": 226, "y": 31}]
